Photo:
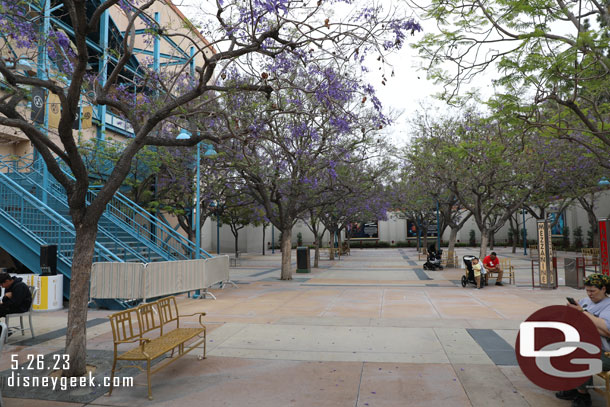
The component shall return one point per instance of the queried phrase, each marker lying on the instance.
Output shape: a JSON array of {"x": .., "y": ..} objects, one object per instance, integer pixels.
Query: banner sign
[
  {"x": 365, "y": 230},
  {"x": 545, "y": 250},
  {"x": 38, "y": 105},
  {"x": 557, "y": 230}
]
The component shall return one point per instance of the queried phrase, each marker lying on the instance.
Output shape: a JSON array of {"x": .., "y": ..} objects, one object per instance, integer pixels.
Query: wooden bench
[
  {"x": 334, "y": 250},
  {"x": 345, "y": 249},
  {"x": 533, "y": 251},
  {"x": 150, "y": 327},
  {"x": 423, "y": 252},
  {"x": 507, "y": 270},
  {"x": 591, "y": 256},
  {"x": 449, "y": 259}
]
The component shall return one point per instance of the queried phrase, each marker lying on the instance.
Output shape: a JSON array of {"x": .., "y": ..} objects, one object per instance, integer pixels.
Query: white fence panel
[
  {"x": 171, "y": 277},
  {"x": 117, "y": 280},
  {"x": 216, "y": 270}
]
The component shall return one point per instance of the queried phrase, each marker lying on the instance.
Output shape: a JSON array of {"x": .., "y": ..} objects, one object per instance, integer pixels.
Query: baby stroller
[
  {"x": 434, "y": 259},
  {"x": 468, "y": 277}
]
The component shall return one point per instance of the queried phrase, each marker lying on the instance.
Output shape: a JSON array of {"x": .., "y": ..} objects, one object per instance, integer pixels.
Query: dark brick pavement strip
[
  {"x": 56, "y": 334},
  {"x": 296, "y": 279},
  {"x": 406, "y": 257},
  {"x": 101, "y": 359},
  {"x": 498, "y": 350},
  {"x": 268, "y": 271},
  {"x": 421, "y": 274}
]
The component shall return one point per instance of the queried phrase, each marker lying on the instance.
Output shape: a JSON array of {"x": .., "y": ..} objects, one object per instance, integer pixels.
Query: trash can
[
  {"x": 48, "y": 259},
  {"x": 574, "y": 272},
  {"x": 303, "y": 262}
]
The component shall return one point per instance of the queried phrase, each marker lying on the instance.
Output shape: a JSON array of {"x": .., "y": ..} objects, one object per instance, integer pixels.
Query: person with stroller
[
  {"x": 492, "y": 265},
  {"x": 597, "y": 308}
]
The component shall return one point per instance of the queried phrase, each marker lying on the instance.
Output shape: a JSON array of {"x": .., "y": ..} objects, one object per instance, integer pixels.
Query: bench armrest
[
  {"x": 192, "y": 315},
  {"x": 132, "y": 341},
  {"x": 201, "y": 315}
]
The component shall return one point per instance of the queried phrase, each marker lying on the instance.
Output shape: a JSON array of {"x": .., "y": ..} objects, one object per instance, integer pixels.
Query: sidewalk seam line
[{"x": 359, "y": 384}]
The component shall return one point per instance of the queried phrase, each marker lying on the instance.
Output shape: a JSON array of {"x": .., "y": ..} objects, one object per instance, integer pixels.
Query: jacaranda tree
[{"x": 318, "y": 120}]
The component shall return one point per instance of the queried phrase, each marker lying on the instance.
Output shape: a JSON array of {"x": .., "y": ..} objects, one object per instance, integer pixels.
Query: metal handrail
[
  {"x": 165, "y": 240},
  {"x": 56, "y": 194},
  {"x": 26, "y": 212},
  {"x": 165, "y": 234}
]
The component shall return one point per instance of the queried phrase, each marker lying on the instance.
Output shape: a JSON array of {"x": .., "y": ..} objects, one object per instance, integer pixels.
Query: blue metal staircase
[{"x": 34, "y": 212}]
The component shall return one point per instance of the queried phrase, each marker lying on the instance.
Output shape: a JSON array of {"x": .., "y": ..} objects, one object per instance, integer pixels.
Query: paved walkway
[{"x": 370, "y": 329}]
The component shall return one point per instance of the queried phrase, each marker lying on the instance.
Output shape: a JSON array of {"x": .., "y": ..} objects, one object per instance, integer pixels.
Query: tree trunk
[
  {"x": 236, "y": 243},
  {"x": 316, "y": 256},
  {"x": 264, "y": 243},
  {"x": 514, "y": 233},
  {"x": 286, "y": 254},
  {"x": 492, "y": 239},
  {"x": 452, "y": 239},
  {"x": 593, "y": 224},
  {"x": 590, "y": 209},
  {"x": 76, "y": 335},
  {"x": 331, "y": 246},
  {"x": 484, "y": 240}
]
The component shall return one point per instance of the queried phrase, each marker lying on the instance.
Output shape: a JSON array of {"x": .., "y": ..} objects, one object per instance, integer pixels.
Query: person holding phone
[{"x": 596, "y": 306}]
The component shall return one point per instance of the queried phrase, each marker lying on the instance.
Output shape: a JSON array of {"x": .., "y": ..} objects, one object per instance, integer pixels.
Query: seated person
[
  {"x": 476, "y": 266},
  {"x": 17, "y": 297},
  {"x": 492, "y": 265},
  {"x": 597, "y": 308}
]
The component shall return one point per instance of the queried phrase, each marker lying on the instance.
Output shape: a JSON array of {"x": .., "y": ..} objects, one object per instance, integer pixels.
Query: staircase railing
[
  {"x": 151, "y": 231},
  {"x": 44, "y": 224},
  {"x": 149, "y": 227},
  {"x": 56, "y": 200}
]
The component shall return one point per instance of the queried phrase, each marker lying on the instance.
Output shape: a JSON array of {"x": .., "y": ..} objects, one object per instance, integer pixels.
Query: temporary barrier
[{"x": 142, "y": 281}]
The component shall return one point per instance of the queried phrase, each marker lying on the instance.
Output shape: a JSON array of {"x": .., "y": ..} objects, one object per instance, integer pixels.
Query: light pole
[
  {"x": 418, "y": 235},
  {"x": 186, "y": 135},
  {"x": 438, "y": 229},
  {"x": 217, "y": 230},
  {"x": 272, "y": 239},
  {"x": 524, "y": 234}
]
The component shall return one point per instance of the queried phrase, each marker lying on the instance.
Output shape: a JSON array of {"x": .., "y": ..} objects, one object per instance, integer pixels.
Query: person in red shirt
[{"x": 492, "y": 265}]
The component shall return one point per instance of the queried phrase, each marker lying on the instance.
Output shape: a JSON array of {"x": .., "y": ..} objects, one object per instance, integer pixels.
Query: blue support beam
[
  {"x": 103, "y": 70},
  {"x": 161, "y": 55},
  {"x": 156, "y": 46},
  {"x": 43, "y": 63}
]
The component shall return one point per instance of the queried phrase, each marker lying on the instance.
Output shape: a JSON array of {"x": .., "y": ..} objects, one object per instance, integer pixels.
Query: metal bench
[
  {"x": 234, "y": 260},
  {"x": 150, "y": 326}
]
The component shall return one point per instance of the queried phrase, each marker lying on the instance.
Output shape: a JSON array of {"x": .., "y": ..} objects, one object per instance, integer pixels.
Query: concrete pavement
[{"x": 370, "y": 329}]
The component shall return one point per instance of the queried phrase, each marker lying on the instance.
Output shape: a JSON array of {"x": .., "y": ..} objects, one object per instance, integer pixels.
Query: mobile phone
[{"x": 571, "y": 301}]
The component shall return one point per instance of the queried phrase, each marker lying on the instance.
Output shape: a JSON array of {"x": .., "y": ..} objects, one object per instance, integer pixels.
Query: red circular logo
[{"x": 572, "y": 348}]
